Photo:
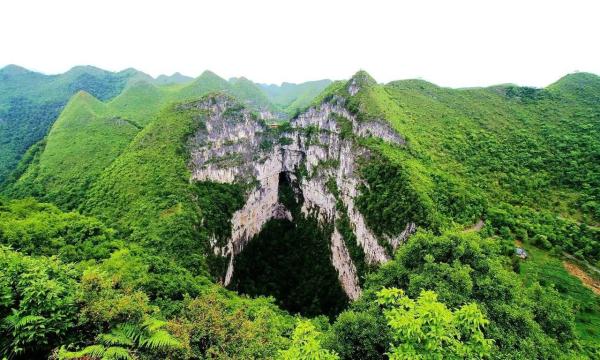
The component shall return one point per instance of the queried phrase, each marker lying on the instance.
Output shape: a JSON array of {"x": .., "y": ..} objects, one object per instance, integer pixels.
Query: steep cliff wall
[{"x": 235, "y": 146}]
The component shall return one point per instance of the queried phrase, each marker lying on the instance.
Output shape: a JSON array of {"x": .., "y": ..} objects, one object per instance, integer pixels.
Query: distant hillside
[
  {"x": 293, "y": 97},
  {"x": 245, "y": 89},
  {"x": 89, "y": 134},
  {"x": 82, "y": 142},
  {"x": 378, "y": 207},
  {"x": 176, "y": 78},
  {"x": 30, "y": 102}
]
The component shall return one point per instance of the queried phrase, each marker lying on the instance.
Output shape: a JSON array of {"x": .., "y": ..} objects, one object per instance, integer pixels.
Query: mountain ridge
[{"x": 201, "y": 208}]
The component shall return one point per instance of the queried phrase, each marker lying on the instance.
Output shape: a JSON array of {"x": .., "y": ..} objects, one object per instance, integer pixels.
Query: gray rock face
[
  {"x": 341, "y": 260},
  {"x": 232, "y": 148},
  {"x": 353, "y": 88}
]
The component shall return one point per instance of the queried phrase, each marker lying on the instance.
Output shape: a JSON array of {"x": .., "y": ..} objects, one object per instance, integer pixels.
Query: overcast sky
[{"x": 451, "y": 43}]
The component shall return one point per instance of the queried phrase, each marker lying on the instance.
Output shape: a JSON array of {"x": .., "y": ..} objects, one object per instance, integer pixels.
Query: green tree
[
  {"x": 306, "y": 345},
  {"x": 217, "y": 325},
  {"x": 427, "y": 329},
  {"x": 37, "y": 304},
  {"x": 359, "y": 335}
]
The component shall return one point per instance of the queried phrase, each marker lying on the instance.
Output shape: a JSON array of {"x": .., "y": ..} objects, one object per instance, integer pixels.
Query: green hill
[
  {"x": 139, "y": 102},
  {"x": 82, "y": 142},
  {"x": 477, "y": 170},
  {"x": 243, "y": 88},
  {"x": 176, "y": 78},
  {"x": 293, "y": 97},
  {"x": 146, "y": 191},
  {"x": 525, "y": 158},
  {"x": 90, "y": 134},
  {"x": 30, "y": 102}
]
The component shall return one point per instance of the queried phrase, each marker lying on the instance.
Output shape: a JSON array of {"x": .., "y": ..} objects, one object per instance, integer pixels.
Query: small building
[{"x": 521, "y": 253}]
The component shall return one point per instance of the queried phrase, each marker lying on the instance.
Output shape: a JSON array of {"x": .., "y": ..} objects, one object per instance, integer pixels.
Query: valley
[{"x": 211, "y": 218}]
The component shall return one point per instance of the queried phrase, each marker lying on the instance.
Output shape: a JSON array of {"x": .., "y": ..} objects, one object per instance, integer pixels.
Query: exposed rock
[
  {"x": 266, "y": 115},
  {"x": 353, "y": 88},
  {"x": 230, "y": 148},
  {"x": 378, "y": 129},
  {"x": 342, "y": 262},
  {"x": 396, "y": 241}
]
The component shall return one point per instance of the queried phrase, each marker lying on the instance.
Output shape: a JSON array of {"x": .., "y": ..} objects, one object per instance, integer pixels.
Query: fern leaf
[
  {"x": 117, "y": 353},
  {"x": 152, "y": 324},
  {"x": 132, "y": 331},
  {"x": 116, "y": 337},
  {"x": 91, "y": 352},
  {"x": 160, "y": 340},
  {"x": 95, "y": 351},
  {"x": 28, "y": 320}
]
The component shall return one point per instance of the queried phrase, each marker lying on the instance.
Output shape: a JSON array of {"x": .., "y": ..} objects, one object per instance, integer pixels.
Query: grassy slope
[
  {"x": 542, "y": 267},
  {"x": 139, "y": 103},
  {"x": 83, "y": 141},
  {"x": 146, "y": 190},
  {"x": 510, "y": 146},
  {"x": 505, "y": 144},
  {"x": 30, "y": 102},
  {"x": 293, "y": 97},
  {"x": 246, "y": 89},
  {"x": 90, "y": 134}
]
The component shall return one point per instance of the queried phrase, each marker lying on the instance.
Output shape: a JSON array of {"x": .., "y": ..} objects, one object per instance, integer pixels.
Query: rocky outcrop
[
  {"x": 234, "y": 146},
  {"x": 396, "y": 241},
  {"x": 353, "y": 88},
  {"x": 377, "y": 128},
  {"x": 341, "y": 260}
]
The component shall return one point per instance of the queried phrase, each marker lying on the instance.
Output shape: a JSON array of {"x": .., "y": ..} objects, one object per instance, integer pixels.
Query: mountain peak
[
  {"x": 577, "y": 78},
  {"x": 241, "y": 78},
  {"x": 84, "y": 96},
  {"x": 134, "y": 72},
  {"x": 83, "y": 69},
  {"x": 209, "y": 74},
  {"x": 360, "y": 80},
  {"x": 83, "y": 101},
  {"x": 13, "y": 69},
  {"x": 363, "y": 78},
  {"x": 175, "y": 78},
  {"x": 210, "y": 77},
  {"x": 579, "y": 83}
]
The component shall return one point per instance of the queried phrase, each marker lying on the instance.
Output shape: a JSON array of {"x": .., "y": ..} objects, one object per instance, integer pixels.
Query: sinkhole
[{"x": 291, "y": 261}]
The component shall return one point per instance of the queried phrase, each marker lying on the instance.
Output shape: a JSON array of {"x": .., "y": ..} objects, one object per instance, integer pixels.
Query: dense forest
[{"x": 107, "y": 241}]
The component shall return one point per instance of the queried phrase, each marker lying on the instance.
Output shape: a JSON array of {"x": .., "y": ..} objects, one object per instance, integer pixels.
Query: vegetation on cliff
[{"x": 123, "y": 267}]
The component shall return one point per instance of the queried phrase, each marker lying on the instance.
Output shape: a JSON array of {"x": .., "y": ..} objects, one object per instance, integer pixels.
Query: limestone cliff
[{"x": 314, "y": 153}]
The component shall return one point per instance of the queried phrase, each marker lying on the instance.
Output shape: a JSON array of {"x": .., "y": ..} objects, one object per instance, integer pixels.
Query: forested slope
[
  {"x": 134, "y": 274},
  {"x": 524, "y": 159},
  {"x": 30, "y": 102},
  {"x": 89, "y": 134}
]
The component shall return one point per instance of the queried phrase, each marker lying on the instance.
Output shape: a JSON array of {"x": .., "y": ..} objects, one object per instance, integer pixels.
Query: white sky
[{"x": 451, "y": 43}]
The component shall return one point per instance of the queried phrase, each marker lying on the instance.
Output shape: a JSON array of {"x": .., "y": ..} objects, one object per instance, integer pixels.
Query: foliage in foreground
[
  {"x": 306, "y": 345},
  {"x": 426, "y": 329},
  {"x": 46, "y": 304},
  {"x": 127, "y": 341}
]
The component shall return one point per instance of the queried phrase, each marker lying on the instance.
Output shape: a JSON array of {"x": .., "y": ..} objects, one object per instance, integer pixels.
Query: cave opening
[{"x": 290, "y": 260}]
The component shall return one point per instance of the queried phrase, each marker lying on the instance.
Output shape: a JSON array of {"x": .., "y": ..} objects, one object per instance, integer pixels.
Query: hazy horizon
[
  {"x": 457, "y": 44},
  {"x": 281, "y": 83}
]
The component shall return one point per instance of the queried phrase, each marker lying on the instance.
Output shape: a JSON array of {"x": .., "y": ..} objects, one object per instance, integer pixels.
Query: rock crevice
[{"x": 323, "y": 163}]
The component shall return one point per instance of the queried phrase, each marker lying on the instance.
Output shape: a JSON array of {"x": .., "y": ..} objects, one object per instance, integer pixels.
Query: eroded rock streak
[{"x": 235, "y": 146}]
